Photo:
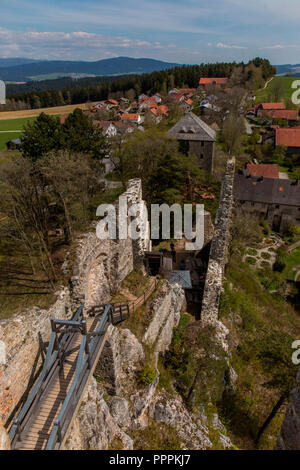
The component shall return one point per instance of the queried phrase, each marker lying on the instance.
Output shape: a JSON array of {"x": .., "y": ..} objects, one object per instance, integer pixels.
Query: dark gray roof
[
  {"x": 267, "y": 190},
  {"x": 181, "y": 277},
  {"x": 191, "y": 127}
]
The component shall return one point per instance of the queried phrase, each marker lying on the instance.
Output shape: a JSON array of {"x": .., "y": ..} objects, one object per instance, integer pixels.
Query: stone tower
[{"x": 196, "y": 138}]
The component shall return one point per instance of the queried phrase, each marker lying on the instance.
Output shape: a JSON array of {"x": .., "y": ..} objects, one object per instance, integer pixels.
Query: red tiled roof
[
  {"x": 267, "y": 171},
  {"x": 211, "y": 81},
  {"x": 270, "y": 106},
  {"x": 113, "y": 102},
  {"x": 290, "y": 114},
  {"x": 189, "y": 102},
  {"x": 187, "y": 91},
  {"x": 163, "y": 109},
  {"x": 154, "y": 111},
  {"x": 130, "y": 117},
  {"x": 177, "y": 96},
  {"x": 288, "y": 137},
  {"x": 63, "y": 118}
]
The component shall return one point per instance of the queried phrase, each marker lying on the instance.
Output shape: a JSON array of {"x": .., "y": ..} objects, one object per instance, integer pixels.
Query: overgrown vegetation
[{"x": 263, "y": 325}]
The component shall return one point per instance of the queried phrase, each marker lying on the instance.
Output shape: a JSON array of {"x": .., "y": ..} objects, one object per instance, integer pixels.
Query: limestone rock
[
  {"x": 94, "y": 427},
  {"x": 171, "y": 411},
  {"x": 165, "y": 314},
  {"x": 22, "y": 338},
  {"x": 4, "y": 439},
  {"x": 119, "y": 409}
]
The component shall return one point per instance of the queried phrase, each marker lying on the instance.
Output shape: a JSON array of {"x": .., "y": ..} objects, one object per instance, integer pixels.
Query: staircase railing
[
  {"x": 87, "y": 355},
  {"x": 53, "y": 353}
]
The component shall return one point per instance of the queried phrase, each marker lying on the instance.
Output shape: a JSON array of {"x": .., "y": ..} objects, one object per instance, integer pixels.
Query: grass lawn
[
  {"x": 6, "y": 136},
  {"x": 267, "y": 95},
  {"x": 15, "y": 124},
  {"x": 292, "y": 260}
]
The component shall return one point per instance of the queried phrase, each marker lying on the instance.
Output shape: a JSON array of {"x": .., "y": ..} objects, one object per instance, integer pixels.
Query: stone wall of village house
[
  {"x": 290, "y": 215},
  {"x": 204, "y": 152},
  {"x": 219, "y": 250}
]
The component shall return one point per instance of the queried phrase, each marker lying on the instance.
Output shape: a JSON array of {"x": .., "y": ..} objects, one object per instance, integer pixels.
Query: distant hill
[
  {"x": 15, "y": 61},
  {"x": 107, "y": 67},
  {"x": 288, "y": 69}
]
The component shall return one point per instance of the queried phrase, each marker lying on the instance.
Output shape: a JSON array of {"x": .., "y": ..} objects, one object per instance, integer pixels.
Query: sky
[{"x": 182, "y": 31}]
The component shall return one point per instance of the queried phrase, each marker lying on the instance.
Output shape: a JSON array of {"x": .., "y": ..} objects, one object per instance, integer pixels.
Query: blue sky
[{"x": 183, "y": 31}]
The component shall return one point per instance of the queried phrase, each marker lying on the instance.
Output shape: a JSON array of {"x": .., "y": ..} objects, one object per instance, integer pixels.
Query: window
[
  {"x": 202, "y": 144},
  {"x": 201, "y": 156}
]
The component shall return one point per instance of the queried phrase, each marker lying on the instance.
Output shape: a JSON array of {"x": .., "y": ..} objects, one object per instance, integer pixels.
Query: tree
[
  {"x": 41, "y": 137},
  {"x": 137, "y": 157},
  {"x": 81, "y": 136},
  {"x": 233, "y": 130},
  {"x": 275, "y": 356},
  {"x": 25, "y": 203}
]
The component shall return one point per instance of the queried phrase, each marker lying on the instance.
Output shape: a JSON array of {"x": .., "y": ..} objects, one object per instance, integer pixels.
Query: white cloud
[{"x": 227, "y": 46}]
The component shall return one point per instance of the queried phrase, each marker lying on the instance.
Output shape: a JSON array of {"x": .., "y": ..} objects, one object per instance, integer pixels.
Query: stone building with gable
[{"x": 195, "y": 137}]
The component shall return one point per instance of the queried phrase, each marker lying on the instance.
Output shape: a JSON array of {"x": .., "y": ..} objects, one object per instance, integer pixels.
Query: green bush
[
  {"x": 266, "y": 255},
  {"x": 148, "y": 375},
  {"x": 251, "y": 260},
  {"x": 252, "y": 252}
]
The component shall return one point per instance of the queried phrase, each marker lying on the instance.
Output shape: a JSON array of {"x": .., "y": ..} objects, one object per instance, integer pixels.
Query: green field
[
  {"x": 292, "y": 261},
  {"x": 6, "y": 136},
  {"x": 15, "y": 124},
  {"x": 12, "y": 125},
  {"x": 269, "y": 94}
]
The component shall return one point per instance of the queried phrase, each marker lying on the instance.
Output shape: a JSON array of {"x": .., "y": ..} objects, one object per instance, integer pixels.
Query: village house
[
  {"x": 289, "y": 138},
  {"x": 218, "y": 82},
  {"x": 268, "y": 107},
  {"x": 108, "y": 127},
  {"x": 261, "y": 170},
  {"x": 132, "y": 117},
  {"x": 288, "y": 115},
  {"x": 195, "y": 137},
  {"x": 276, "y": 200}
]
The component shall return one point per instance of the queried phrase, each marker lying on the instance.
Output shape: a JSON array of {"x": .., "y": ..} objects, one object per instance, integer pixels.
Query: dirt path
[{"x": 267, "y": 82}]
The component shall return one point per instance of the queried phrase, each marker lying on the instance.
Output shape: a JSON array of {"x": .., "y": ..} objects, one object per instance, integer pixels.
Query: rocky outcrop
[
  {"x": 119, "y": 360},
  {"x": 164, "y": 312},
  {"x": 4, "y": 439},
  {"x": 121, "y": 405},
  {"x": 94, "y": 428},
  {"x": 289, "y": 438},
  {"x": 170, "y": 410},
  {"x": 219, "y": 250},
  {"x": 23, "y": 340}
]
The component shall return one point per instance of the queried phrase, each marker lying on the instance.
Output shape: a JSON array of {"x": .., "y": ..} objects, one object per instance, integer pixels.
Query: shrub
[
  {"x": 279, "y": 266},
  {"x": 148, "y": 375},
  {"x": 266, "y": 255},
  {"x": 251, "y": 260}
]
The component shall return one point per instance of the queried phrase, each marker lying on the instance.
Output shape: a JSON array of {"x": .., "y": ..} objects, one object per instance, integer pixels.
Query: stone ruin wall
[
  {"x": 102, "y": 265},
  {"x": 219, "y": 250}
]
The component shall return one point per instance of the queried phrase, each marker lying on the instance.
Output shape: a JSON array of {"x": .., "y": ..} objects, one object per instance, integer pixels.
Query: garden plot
[{"x": 264, "y": 255}]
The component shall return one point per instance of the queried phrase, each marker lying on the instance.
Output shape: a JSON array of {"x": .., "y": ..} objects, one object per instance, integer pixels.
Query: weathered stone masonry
[{"x": 219, "y": 250}]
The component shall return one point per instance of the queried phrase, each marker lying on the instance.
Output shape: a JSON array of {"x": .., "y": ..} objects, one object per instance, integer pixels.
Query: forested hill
[
  {"x": 115, "y": 66},
  {"x": 67, "y": 91}
]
